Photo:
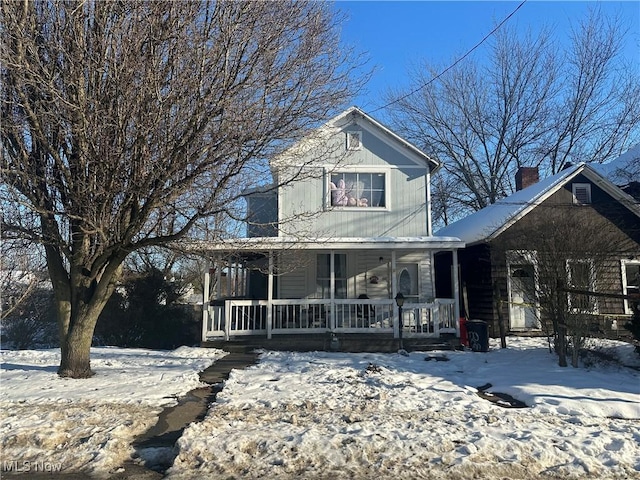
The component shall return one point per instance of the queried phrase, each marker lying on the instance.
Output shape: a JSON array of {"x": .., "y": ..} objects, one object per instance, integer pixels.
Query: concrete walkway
[
  {"x": 156, "y": 447},
  {"x": 191, "y": 408}
]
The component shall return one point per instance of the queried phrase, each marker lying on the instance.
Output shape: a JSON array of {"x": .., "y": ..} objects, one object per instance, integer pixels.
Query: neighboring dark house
[{"x": 499, "y": 266}]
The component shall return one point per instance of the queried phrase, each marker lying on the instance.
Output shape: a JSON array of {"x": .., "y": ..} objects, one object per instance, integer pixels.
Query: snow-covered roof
[
  {"x": 622, "y": 170},
  {"x": 334, "y": 243},
  {"x": 494, "y": 219}
]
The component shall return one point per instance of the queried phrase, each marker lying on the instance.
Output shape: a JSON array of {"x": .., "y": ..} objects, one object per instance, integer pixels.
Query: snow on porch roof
[{"x": 340, "y": 243}]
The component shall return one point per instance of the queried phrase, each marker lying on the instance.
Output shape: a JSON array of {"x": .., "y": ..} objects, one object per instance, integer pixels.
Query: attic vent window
[
  {"x": 581, "y": 193},
  {"x": 354, "y": 140}
]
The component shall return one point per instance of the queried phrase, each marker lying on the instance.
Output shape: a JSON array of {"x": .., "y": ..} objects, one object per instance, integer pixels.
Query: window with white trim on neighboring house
[
  {"x": 581, "y": 276},
  {"x": 630, "y": 281},
  {"x": 358, "y": 189},
  {"x": 581, "y": 193}
]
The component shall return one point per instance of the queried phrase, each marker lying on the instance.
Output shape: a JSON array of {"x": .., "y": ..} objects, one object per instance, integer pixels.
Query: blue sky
[{"x": 397, "y": 34}]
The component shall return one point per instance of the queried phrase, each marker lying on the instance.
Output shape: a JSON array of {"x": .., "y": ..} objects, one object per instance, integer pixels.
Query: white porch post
[
  {"x": 456, "y": 292},
  {"x": 394, "y": 292},
  {"x": 270, "y": 296},
  {"x": 236, "y": 279},
  {"x": 206, "y": 295},
  {"x": 227, "y": 319},
  {"x": 428, "y": 200},
  {"x": 332, "y": 288},
  {"x": 217, "y": 263}
]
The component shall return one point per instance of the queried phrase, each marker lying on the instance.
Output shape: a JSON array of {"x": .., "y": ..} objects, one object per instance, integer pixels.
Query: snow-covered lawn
[
  {"x": 334, "y": 415},
  {"x": 48, "y": 423}
]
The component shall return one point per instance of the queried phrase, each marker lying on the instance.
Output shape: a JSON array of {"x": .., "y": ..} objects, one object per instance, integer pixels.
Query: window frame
[
  {"x": 329, "y": 174},
  {"x": 592, "y": 284},
  {"x": 587, "y": 187},
  {"x": 320, "y": 291},
  {"x": 350, "y": 134},
  {"x": 625, "y": 283}
]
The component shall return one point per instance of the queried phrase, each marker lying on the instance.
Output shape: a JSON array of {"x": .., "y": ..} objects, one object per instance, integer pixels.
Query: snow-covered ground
[
  {"x": 335, "y": 415},
  {"x": 51, "y": 424}
]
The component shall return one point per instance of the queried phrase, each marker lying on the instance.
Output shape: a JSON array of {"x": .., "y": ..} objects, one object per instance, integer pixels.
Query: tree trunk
[
  {"x": 501, "y": 323},
  {"x": 575, "y": 352},
  {"x": 75, "y": 349},
  {"x": 79, "y": 302},
  {"x": 561, "y": 348}
]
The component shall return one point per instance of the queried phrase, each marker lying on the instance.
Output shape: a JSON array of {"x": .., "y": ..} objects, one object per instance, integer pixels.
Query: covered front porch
[{"x": 378, "y": 288}]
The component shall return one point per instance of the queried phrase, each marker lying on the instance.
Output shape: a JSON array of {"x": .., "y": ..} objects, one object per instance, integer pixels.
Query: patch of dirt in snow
[{"x": 76, "y": 436}]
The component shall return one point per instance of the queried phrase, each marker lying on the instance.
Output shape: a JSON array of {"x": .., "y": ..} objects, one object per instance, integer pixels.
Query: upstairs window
[
  {"x": 581, "y": 193},
  {"x": 358, "y": 189},
  {"x": 354, "y": 140}
]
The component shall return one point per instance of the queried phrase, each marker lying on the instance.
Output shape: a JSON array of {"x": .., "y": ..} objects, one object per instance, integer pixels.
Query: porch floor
[{"x": 336, "y": 342}]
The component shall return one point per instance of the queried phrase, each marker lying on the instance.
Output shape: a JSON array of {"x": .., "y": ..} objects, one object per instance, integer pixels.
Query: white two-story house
[{"x": 328, "y": 254}]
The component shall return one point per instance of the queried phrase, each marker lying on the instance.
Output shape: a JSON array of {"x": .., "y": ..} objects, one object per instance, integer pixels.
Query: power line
[{"x": 486, "y": 37}]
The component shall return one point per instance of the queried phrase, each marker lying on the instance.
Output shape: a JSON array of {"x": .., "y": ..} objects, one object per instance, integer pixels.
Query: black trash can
[{"x": 478, "y": 335}]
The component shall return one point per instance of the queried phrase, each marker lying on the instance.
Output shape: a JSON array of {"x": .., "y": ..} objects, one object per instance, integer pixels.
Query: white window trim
[
  {"x": 625, "y": 291},
  {"x": 587, "y": 187},
  {"x": 592, "y": 284},
  {"x": 387, "y": 189},
  {"x": 524, "y": 257},
  {"x": 354, "y": 134}
]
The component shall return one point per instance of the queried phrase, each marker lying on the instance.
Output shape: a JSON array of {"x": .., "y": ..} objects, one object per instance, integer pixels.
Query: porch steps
[{"x": 339, "y": 342}]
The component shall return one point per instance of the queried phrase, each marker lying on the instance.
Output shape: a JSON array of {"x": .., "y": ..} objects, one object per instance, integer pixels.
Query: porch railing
[{"x": 237, "y": 317}]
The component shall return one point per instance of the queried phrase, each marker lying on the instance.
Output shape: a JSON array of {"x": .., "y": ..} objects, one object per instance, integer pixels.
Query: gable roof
[
  {"x": 354, "y": 115},
  {"x": 486, "y": 224}
]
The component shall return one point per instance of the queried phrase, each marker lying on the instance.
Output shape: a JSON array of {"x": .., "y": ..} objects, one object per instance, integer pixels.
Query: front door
[
  {"x": 523, "y": 308},
  {"x": 408, "y": 281}
]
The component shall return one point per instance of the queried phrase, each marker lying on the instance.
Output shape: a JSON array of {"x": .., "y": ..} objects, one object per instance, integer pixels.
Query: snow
[
  {"x": 88, "y": 425},
  {"x": 493, "y": 219},
  {"x": 623, "y": 169},
  {"x": 337, "y": 415}
]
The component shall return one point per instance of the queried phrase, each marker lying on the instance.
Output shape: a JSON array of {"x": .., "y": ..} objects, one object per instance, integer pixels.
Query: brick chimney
[{"x": 526, "y": 176}]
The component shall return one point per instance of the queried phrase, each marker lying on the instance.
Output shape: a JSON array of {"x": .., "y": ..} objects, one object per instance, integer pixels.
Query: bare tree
[
  {"x": 530, "y": 104},
  {"x": 128, "y": 124}
]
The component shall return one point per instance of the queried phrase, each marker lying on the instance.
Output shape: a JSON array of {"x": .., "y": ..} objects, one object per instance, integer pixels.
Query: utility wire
[{"x": 486, "y": 37}]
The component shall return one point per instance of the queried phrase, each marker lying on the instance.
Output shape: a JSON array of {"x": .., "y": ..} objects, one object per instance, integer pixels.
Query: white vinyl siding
[
  {"x": 305, "y": 205},
  {"x": 367, "y": 272}
]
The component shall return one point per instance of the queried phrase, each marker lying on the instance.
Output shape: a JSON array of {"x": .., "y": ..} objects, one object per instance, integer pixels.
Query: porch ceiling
[{"x": 342, "y": 243}]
